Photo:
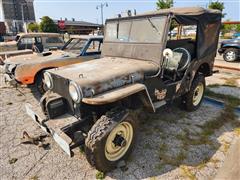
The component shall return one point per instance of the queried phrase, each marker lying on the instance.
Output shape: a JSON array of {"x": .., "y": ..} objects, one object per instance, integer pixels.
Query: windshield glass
[
  {"x": 75, "y": 45},
  {"x": 145, "y": 30}
]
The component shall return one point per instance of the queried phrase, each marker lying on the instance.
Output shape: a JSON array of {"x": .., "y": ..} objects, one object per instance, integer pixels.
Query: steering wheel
[
  {"x": 185, "y": 59},
  {"x": 35, "y": 49}
]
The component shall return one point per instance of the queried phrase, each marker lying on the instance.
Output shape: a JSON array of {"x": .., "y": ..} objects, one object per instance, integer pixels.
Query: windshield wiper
[{"x": 153, "y": 26}]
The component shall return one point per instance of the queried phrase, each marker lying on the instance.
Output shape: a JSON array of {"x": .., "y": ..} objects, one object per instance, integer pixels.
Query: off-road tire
[
  {"x": 187, "y": 99},
  {"x": 39, "y": 84},
  {"x": 96, "y": 140},
  {"x": 235, "y": 51}
]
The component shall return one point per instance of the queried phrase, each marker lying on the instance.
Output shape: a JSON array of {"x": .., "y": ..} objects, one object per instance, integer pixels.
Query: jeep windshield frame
[{"x": 140, "y": 30}]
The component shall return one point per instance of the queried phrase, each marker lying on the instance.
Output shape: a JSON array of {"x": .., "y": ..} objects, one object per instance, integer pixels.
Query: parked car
[
  {"x": 91, "y": 104},
  {"x": 236, "y": 35},
  {"x": 28, "y": 69},
  {"x": 1, "y": 38},
  {"x": 230, "y": 49}
]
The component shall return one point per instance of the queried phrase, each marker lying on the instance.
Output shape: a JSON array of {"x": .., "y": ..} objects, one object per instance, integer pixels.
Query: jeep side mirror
[{"x": 167, "y": 53}]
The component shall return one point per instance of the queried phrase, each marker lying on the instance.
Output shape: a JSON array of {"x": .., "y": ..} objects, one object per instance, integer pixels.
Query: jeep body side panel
[{"x": 118, "y": 94}]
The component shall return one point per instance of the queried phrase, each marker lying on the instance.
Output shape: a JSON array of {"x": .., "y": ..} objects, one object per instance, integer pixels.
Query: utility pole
[
  {"x": 23, "y": 18},
  {"x": 102, "y": 6}
]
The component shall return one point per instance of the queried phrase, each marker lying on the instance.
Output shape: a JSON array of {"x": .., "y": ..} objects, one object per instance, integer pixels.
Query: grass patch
[
  {"x": 100, "y": 175},
  {"x": 237, "y": 131},
  {"x": 147, "y": 146},
  {"x": 231, "y": 81},
  {"x": 34, "y": 177},
  {"x": 174, "y": 161},
  {"x": 187, "y": 172},
  {"x": 226, "y": 146},
  {"x": 229, "y": 99}
]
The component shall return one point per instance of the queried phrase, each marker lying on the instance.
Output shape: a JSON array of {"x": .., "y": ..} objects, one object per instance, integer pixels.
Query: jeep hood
[
  {"x": 107, "y": 73},
  {"x": 39, "y": 57}
]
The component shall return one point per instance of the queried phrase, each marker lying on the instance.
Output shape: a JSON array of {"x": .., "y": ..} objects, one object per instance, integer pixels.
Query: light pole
[
  {"x": 102, "y": 6},
  {"x": 23, "y": 18}
]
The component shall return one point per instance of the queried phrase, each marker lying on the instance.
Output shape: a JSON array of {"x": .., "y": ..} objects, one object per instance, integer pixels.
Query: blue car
[
  {"x": 230, "y": 49},
  {"x": 236, "y": 35}
]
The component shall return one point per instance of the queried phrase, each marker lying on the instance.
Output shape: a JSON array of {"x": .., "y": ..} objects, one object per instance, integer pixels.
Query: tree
[
  {"x": 48, "y": 25},
  {"x": 164, "y": 4},
  {"x": 33, "y": 27},
  {"x": 217, "y": 5}
]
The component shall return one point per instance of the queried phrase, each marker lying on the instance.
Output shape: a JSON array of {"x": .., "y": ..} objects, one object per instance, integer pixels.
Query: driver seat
[{"x": 177, "y": 64}]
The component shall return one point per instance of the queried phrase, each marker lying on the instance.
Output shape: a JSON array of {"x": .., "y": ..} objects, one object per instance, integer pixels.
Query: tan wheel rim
[
  {"x": 119, "y": 141},
  {"x": 198, "y": 93}
]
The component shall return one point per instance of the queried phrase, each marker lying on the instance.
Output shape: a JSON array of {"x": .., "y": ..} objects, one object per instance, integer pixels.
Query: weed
[
  {"x": 231, "y": 81},
  {"x": 237, "y": 131},
  {"x": 147, "y": 146},
  {"x": 13, "y": 160},
  {"x": 187, "y": 172},
  {"x": 100, "y": 175},
  {"x": 34, "y": 177},
  {"x": 231, "y": 100}
]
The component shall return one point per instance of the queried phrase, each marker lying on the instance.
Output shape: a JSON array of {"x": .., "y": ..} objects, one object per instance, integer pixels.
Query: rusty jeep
[
  {"x": 91, "y": 104},
  {"x": 28, "y": 69}
]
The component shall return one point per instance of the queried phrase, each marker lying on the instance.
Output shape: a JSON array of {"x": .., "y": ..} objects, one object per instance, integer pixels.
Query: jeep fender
[{"x": 120, "y": 93}]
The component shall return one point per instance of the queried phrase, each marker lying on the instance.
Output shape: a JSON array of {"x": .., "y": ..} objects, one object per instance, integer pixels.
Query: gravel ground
[{"x": 170, "y": 145}]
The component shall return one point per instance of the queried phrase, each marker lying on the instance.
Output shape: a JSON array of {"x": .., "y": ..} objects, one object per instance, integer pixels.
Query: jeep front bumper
[{"x": 55, "y": 126}]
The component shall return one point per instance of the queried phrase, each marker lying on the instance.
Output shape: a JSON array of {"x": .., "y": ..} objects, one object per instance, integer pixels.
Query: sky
[{"x": 86, "y": 9}]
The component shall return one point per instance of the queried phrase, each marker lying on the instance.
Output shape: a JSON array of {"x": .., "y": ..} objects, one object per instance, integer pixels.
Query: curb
[{"x": 227, "y": 67}]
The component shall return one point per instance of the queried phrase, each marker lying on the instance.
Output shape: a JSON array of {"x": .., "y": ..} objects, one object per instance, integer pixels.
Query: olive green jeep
[{"x": 143, "y": 65}]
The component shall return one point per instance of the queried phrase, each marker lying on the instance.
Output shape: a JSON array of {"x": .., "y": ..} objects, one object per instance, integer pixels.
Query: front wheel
[
  {"x": 193, "y": 99},
  {"x": 108, "y": 142},
  {"x": 230, "y": 55}
]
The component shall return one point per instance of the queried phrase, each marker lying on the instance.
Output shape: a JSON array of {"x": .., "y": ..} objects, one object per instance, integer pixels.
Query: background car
[
  {"x": 230, "y": 49},
  {"x": 236, "y": 35},
  {"x": 42, "y": 41},
  {"x": 28, "y": 69}
]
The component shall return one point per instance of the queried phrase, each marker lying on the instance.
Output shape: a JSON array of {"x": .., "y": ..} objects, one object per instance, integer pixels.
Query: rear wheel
[
  {"x": 109, "y": 141},
  {"x": 40, "y": 85},
  {"x": 230, "y": 55},
  {"x": 192, "y": 100}
]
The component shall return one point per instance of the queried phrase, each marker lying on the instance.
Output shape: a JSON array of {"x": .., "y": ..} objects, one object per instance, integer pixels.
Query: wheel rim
[
  {"x": 230, "y": 56},
  {"x": 119, "y": 141},
  {"x": 198, "y": 93}
]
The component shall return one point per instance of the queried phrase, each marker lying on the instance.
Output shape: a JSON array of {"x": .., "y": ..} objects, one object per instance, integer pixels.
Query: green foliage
[
  {"x": 71, "y": 30},
  {"x": 33, "y": 27},
  {"x": 48, "y": 25},
  {"x": 238, "y": 27},
  {"x": 164, "y": 4},
  {"x": 100, "y": 175},
  {"x": 217, "y": 5}
]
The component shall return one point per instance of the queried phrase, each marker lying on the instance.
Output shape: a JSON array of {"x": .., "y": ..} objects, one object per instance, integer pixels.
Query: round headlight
[
  {"x": 48, "y": 80},
  {"x": 75, "y": 92}
]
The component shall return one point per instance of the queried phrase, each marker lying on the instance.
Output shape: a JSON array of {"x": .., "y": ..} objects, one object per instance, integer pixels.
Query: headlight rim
[
  {"x": 78, "y": 90},
  {"x": 50, "y": 80}
]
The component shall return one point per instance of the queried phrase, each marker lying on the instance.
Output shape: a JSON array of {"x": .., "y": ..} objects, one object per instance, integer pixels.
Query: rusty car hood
[
  {"x": 107, "y": 73},
  {"x": 39, "y": 57}
]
